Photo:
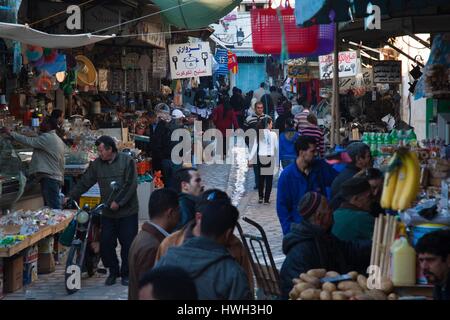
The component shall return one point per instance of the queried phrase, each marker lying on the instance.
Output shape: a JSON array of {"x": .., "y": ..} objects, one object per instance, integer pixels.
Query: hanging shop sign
[
  {"x": 365, "y": 81},
  {"x": 190, "y": 60},
  {"x": 222, "y": 60},
  {"x": 299, "y": 72},
  {"x": 348, "y": 65},
  {"x": 387, "y": 71},
  {"x": 151, "y": 33}
]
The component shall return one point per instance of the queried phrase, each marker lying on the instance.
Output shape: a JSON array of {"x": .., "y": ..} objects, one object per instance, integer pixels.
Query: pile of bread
[{"x": 310, "y": 287}]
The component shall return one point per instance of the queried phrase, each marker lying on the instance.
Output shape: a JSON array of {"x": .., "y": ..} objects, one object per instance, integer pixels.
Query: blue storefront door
[{"x": 250, "y": 75}]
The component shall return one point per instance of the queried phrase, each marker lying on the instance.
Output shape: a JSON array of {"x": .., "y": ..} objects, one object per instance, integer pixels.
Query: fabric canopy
[
  {"x": 192, "y": 14},
  {"x": 309, "y": 12},
  {"x": 25, "y": 34}
]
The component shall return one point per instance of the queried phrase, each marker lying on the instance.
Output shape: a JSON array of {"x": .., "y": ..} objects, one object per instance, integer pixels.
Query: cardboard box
[
  {"x": 1, "y": 278},
  {"x": 13, "y": 274},
  {"x": 46, "y": 263},
  {"x": 30, "y": 267},
  {"x": 46, "y": 245}
]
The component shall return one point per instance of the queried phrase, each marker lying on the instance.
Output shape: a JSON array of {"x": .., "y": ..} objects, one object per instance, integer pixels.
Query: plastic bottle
[
  {"x": 403, "y": 257},
  {"x": 394, "y": 138},
  {"x": 35, "y": 119},
  {"x": 412, "y": 138}
]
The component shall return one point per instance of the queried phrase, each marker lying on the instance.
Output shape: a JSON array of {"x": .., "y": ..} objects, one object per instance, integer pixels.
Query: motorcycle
[{"x": 84, "y": 252}]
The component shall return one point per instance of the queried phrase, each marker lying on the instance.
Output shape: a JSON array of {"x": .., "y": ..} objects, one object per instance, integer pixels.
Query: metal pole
[{"x": 335, "y": 114}]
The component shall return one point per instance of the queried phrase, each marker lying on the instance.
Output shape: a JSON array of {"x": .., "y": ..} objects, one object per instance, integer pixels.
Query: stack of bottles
[{"x": 379, "y": 141}]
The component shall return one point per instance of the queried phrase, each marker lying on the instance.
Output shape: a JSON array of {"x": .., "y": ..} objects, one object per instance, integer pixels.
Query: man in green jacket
[
  {"x": 353, "y": 221},
  {"x": 120, "y": 218},
  {"x": 47, "y": 163}
]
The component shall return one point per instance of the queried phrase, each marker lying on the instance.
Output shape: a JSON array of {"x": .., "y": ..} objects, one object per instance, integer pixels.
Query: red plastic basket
[{"x": 266, "y": 32}]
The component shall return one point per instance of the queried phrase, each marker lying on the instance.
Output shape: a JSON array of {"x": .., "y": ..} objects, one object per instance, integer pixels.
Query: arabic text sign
[
  {"x": 299, "y": 72},
  {"x": 347, "y": 65},
  {"x": 190, "y": 60},
  {"x": 366, "y": 82},
  {"x": 387, "y": 71}
]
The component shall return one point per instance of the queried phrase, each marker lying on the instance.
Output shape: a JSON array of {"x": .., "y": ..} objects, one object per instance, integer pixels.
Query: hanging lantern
[{"x": 267, "y": 37}]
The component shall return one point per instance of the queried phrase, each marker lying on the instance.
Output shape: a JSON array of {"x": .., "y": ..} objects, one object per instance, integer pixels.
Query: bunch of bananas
[{"x": 401, "y": 182}]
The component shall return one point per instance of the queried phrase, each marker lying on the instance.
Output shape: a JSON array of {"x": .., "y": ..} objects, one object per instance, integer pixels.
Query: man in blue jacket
[{"x": 304, "y": 175}]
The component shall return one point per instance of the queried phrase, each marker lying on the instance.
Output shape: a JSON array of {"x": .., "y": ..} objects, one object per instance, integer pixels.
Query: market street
[{"x": 236, "y": 179}]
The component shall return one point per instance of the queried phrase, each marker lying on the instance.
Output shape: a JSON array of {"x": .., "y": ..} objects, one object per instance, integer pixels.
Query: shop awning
[
  {"x": 309, "y": 12},
  {"x": 25, "y": 34},
  {"x": 193, "y": 14}
]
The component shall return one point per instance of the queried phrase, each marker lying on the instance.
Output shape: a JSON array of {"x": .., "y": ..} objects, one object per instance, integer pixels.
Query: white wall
[{"x": 418, "y": 107}]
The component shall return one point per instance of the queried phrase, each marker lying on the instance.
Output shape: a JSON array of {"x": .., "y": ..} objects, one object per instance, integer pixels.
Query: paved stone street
[{"x": 237, "y": 179}]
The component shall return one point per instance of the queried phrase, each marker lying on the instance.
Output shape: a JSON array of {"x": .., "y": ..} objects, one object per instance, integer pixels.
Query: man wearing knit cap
[
  {"x": 310, "y": 245},
  {"x": 353, "y": 221}
]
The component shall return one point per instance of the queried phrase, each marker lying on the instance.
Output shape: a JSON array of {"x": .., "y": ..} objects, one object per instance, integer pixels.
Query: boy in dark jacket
[
  {"x": 188, "y": 183},
  {"x": 309, "y": 245},
  {"x": 215, "y": 272}
]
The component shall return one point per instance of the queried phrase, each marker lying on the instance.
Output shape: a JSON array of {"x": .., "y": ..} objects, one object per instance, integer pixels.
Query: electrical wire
[
  {"x": 58, "y": 13},
  {"x": 156, "y": 33},
  {"x": 412, "y": 46}
]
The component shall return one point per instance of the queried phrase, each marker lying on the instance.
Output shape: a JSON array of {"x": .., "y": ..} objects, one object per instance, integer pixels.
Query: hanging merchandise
[
  {"x": 44, "y": 83},
  {"x": 178, "y": 94},
  {"x": 57, "y": 65},
  {"x": 69, "y": 83},
  {"x": 232, "y": 62},
  {"x": 33, "y": 53},
  {"x": 435, "y": 81},
  {"x": 144, "y": 64},
  {"x": 86, "y": 73},
  {"x": 267, "y": 36},
  {"x": 222, "y": 60}
]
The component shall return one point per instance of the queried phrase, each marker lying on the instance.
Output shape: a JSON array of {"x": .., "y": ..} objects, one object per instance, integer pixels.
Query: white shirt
[{"x": 268, "y": 144}]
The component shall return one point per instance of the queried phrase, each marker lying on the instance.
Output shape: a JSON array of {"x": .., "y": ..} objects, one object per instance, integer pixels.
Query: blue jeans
[
  {"x": 50, "y": 190},
  {"x": 168, "y": 169},
  {"x": 124, "y": 230}
]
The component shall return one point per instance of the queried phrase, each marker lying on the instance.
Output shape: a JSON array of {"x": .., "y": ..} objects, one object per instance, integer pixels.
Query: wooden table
[{"x": 34, "y": 238}]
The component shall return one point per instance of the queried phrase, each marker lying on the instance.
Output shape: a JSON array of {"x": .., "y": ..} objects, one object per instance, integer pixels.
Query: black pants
[
  {"x": 50, "y": 189},
  {"x": 265, "y": 180},
  {"x": 124, "y": 230}
]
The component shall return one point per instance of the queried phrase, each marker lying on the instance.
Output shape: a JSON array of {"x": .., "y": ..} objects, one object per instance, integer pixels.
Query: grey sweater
[
  {"x": 48, "y": 154},
  {"x": 122, "y": 170}
]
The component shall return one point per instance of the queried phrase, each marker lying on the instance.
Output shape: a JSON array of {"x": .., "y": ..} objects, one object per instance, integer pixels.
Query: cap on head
[{"x": 177, "y": 114}]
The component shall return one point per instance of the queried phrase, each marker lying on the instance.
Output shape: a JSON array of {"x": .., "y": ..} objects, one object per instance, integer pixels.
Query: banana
[
  {"x": 412, "y": 180},
  {"x": 389, "y": 184},
  {"x": 400, "y": 187}
]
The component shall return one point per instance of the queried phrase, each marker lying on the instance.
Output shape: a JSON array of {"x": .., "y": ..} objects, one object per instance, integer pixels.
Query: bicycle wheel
[{"x": 72, "y": 274}]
